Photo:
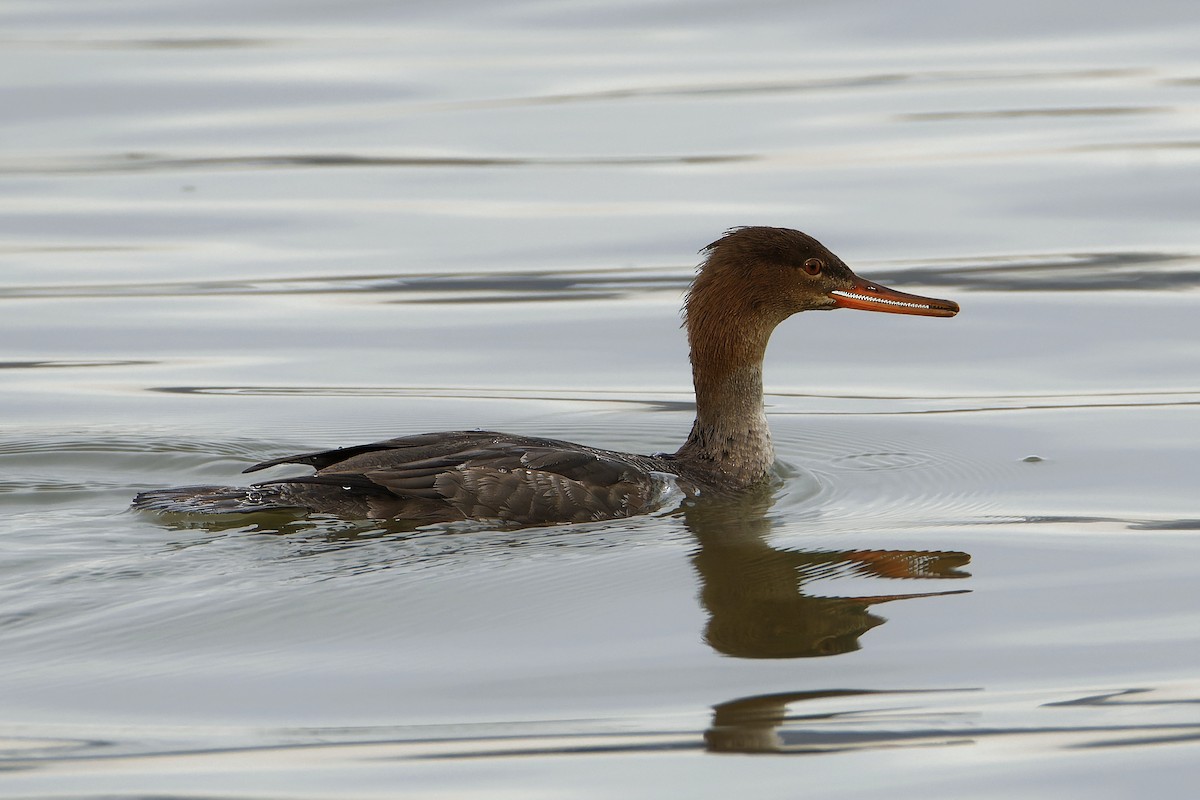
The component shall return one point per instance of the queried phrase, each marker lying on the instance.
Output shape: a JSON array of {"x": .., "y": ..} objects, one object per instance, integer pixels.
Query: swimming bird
[{"x": 751, "y": 279}]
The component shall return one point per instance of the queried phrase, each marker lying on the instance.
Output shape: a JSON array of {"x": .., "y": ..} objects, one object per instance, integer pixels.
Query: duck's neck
[{"x": 730, "y": 433}]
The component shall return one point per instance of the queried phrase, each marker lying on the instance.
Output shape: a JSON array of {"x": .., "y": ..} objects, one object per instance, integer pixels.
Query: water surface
[{"x": 232, "y": 231}]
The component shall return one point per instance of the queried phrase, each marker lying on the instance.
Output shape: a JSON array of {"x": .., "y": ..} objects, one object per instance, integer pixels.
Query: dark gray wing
[
  {"x": 489, "y": 475},
  {"x": 418, "y": 446}
]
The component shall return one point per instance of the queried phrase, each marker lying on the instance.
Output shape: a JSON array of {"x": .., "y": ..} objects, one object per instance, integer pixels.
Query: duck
[{"x": 750, "y": 280}]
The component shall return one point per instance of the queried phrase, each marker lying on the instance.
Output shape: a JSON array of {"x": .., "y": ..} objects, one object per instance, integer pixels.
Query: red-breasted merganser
[{"x": 751, "y": 280}]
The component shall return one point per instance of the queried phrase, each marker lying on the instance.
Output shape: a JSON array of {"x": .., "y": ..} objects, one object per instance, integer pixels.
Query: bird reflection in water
[
  {"x": 757, "y": 608},
  {"x": 754, "y": 593}
]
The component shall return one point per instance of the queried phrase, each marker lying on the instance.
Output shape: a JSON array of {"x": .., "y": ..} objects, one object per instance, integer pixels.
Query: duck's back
[{"x": 447, "y": 476}]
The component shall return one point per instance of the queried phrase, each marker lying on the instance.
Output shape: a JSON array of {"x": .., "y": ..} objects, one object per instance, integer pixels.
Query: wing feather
[{"x": 488, "y": 475}]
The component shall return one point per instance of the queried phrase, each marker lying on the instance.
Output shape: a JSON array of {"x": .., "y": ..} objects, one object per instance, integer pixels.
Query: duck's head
[{"x": 772, "y": 273}]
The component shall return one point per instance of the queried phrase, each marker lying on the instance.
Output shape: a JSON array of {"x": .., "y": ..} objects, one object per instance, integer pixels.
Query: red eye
[{"x": 814, "y": 266}]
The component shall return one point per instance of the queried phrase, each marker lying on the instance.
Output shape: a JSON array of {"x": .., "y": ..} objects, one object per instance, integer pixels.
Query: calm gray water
[{"x": 234, "y": 230}]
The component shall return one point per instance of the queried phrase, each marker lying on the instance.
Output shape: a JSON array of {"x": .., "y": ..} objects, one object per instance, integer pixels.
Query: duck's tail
[{"x": 213, "y": 500}]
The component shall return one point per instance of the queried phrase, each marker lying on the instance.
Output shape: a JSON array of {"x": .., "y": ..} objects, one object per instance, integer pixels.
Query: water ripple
[
  {"x": 801, "y": 722},
  {"x": 152, "y": 162},
  {"x": 1067, "y": 272},
  {"x": 1074, "y": 272},
  {"x": 420, "y": 288},
  {"x": 660, "y": 400}
]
